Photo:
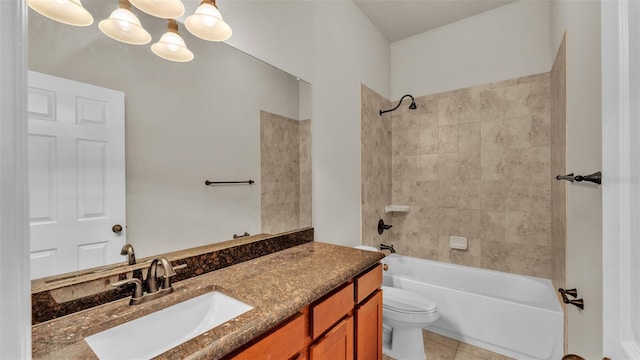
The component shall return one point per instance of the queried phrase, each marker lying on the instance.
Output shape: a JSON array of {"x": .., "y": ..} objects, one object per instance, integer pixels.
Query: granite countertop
[{"x": 276, "y": 285}]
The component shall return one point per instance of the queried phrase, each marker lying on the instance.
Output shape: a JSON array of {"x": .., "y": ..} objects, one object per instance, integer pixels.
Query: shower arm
[{"x": 397, "y": 106}]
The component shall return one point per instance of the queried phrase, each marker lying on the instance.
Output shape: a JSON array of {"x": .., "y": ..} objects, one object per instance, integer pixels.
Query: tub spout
[{"x": 387, "y": 247}]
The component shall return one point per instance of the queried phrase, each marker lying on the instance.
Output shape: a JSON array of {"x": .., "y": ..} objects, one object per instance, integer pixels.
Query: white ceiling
[{"x": 398, "y": 19}]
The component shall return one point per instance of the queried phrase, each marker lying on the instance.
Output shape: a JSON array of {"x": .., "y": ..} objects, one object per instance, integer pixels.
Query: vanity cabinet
[{"x": 345, "y": 324}]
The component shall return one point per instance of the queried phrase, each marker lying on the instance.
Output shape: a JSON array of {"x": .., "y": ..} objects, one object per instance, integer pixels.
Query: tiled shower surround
[
  {"x": 285, "y": 172},
  {"x": 473, "y": 162},
  {"x": 376, "y": 165},
  {"x": 559, "y": 166}
]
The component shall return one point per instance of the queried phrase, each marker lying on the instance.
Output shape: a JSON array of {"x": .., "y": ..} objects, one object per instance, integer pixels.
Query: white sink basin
[{"x": 153, "y": 334}]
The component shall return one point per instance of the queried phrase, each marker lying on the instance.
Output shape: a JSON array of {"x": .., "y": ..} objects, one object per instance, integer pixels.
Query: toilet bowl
[{"x": 404, "y": 314}]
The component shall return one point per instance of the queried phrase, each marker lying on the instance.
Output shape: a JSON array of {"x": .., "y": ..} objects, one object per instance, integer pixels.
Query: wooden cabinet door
[
  {"x": 369, "y": 328},
  {"x": 284, "y": 343},
  {"x": 337, "y": 344}
]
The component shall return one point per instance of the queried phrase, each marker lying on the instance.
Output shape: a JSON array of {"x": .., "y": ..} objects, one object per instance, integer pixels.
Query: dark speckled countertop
[{"x": 276, "y": 285}]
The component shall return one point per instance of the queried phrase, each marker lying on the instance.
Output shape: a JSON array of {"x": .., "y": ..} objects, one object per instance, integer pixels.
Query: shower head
[{"x": 412, "y": 106}]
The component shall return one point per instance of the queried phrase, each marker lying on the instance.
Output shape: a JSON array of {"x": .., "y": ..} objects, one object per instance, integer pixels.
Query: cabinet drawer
[
  {"x": 368, "y": 283},
  {"x": 330, "y": 310},
  {"x": 283, "y": 343}
]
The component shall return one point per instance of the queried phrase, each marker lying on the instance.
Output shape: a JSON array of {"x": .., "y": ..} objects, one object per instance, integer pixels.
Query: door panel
[
  {"x": 369, "y": 328},
  {"x": 76, "y": 174},
  {"x": 337, "y": 344},
  {"x": 42, "y": 179}
]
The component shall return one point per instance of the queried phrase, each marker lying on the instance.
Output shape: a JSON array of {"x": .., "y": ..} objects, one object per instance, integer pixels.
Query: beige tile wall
[
  {"x": 473, "y": 162},
  {"x": 305, "y": 172},
  {"x": 285, "y": 171},
  {"x": 376, "y": 165}
]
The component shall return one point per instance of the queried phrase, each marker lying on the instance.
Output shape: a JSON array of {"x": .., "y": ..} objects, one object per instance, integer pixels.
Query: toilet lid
[{"x": 405, "y": 301}]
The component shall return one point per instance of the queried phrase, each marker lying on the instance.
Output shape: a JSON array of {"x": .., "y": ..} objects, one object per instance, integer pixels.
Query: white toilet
[{"x": 404, "y": 314}]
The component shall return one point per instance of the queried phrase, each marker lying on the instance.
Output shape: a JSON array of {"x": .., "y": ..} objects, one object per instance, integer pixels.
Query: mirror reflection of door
[{"x": 76, "y": 175}]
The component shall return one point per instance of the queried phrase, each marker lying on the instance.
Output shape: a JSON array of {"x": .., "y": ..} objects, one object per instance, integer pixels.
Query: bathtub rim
[{"x": 552, "y": 305}]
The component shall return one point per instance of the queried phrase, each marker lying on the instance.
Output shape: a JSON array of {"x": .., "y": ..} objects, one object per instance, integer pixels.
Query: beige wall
[
  {"x": 473, "y": 162},
  {"x": 559, "y": 167},
  {"x": 285, "y": 172},
  {"x": 376, "y": 165},
  {"x": 581, "y": 22}
]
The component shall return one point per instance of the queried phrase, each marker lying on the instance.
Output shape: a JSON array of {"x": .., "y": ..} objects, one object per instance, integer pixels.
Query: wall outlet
[{"x": 458, "y": 242}]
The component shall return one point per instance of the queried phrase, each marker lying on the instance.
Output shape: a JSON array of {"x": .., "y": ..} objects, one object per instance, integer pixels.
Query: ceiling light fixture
[
  {"x": 70, "y": 12},
  {"x": 123, "y": 25},
  {"x": 207, "y": 23},
  {"x": 164, "y": 9},
  {"x": 171, "y": 46}
]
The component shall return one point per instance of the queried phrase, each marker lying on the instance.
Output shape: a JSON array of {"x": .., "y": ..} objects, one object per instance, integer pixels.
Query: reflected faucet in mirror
[
  {"x": 155, "y": 287},
  {"x": 127, "y": 249}
]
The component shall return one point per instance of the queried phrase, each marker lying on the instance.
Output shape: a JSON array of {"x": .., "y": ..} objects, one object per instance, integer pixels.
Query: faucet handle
[
  {"x": 137, "y": 292},
  {"x": 166, "y": 279},
  {"x": 170, "y": 271},
  {"x": 180, "y": 267}
]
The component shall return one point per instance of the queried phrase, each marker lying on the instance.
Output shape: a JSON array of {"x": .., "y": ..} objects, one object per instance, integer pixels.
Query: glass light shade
[
  {"x": 207, "y": 23},
  {"x": 164, "y": 9},
  {"x": 172, "y": 47},
  {"x": 123, "y": 25},
  {"x": 70, "y": 12}
]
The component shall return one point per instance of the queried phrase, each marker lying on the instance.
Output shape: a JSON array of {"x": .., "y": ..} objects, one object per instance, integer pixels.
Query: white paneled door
[{"x": 76, "y": 175}]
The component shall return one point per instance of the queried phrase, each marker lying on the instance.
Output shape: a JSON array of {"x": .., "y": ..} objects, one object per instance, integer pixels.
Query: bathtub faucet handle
[{"x": 382, "y": 226}]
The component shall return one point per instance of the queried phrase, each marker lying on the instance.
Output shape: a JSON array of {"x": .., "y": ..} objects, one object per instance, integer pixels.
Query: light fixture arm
[
  {"x": 125, "y": 4},
  {"x": 172, "y": 25},
  {"x": 412, "y": 106}
]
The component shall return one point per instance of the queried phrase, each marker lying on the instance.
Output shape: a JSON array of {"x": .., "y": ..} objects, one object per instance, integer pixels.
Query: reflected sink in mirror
[{"x": 153, "y": 334}]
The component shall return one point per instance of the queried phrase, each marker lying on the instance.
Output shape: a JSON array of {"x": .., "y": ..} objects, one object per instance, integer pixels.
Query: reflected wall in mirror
[
  {"x": 285, "y": 169},
  {"x": 184, "y": 123}
]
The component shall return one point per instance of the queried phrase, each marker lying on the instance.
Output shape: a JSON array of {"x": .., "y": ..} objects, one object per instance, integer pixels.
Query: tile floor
[{"x": 439, "y": 347}]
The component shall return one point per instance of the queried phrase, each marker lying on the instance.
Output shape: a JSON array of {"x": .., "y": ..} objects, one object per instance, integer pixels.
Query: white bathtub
[{"x": 514, "y": 315}]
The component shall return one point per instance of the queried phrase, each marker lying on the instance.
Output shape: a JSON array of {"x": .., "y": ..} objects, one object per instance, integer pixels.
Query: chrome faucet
[
  {"x": 127, "y": 249},
  {"x": 153, "y": 290},
  {"x": 387, "y": 247}
]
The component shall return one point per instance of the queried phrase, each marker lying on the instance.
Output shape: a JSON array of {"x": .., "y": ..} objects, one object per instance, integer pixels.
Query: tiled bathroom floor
[{"x": 439, "y": 347}]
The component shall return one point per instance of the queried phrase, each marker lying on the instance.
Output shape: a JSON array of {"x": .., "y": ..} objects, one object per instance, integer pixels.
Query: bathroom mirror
[{"x": 184, "y": 123}]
